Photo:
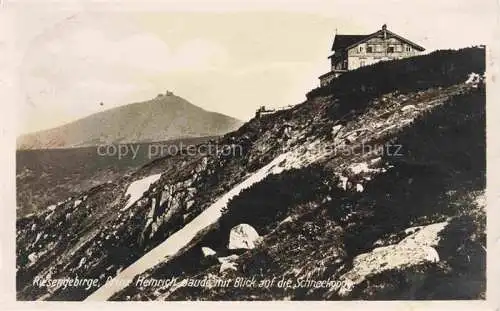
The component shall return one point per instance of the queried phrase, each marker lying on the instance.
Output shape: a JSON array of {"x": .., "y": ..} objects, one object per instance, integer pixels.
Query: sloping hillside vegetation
[
  {"x": 434, "y": 180},
  {"x": 45, "y": 177},
  {"x": 440, "y": 68},
  {"x": 378, "y": 190}
]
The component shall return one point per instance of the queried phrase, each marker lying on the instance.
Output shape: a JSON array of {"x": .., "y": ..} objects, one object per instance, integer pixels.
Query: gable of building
[
  {"x": 389, "y": 34},
  {"x": 378, "y": 45},
  {"x": 346, "y": 42},
  {"x": 341, "y": 42}
]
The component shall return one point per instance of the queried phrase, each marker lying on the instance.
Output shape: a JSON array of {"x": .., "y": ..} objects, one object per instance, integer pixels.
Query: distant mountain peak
[{"x": 165, "y": 117}]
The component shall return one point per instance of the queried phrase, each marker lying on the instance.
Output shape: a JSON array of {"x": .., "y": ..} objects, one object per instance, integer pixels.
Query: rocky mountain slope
[
  {"x": 166, "y": 117},
  {"x": 375, "y": 184},
  {"x": 47, "y": 176}
]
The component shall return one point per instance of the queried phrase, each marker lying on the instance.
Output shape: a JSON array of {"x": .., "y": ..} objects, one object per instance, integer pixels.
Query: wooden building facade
[{"x": 354, "y": 51}]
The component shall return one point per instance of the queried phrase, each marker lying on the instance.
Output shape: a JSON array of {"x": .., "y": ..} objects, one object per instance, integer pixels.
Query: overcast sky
[{"x": 224, "y": 56}]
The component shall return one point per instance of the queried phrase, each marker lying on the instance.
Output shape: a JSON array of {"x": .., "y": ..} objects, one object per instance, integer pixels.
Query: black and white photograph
[{"x": 252, "y": 150}]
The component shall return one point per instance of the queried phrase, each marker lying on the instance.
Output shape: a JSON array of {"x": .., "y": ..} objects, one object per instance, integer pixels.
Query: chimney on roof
[{"x": 384, "y": 29}]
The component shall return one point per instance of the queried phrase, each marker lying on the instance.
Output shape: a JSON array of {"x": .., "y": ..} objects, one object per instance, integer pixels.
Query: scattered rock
[
  {"x": 207, "y": 251},
  {"x": 343, "y": 182},
  {"x": 408, "y": 107},
  {"x": 38, "y": 236},
  {"x": 287, "y": 219},
  {"x": 359, "y": 168},
  {"x": 359, "y": 188},
  {"x": 32, "y": 258},
  {"x": 228, "y": 266},
  {"x": 375, "y": 161},
  {"x": 364, "y": 168},
  {"x": 189, "y": 204},
  {"x": 243, "y": 236},
  {"x": 81, "y": 263},
  {"x": 336, "y": 129},
  {"x": 474, "y": 79},
  {"x": 351, "y": 138},
  {"x": 231, "y": 258}
]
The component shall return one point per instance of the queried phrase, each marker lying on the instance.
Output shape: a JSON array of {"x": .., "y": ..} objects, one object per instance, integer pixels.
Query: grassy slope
[
  {"x": 320, "y": 241},
  {"x": 440, "y": 174}
]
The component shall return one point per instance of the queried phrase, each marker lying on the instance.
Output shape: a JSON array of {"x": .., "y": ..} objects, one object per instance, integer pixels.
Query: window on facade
[
  {"x": 369, "y": 49},
  {"x": 408, "y": 48},
  {"x": 390, "y": 49},
  {"x": 360, "y": 48}
]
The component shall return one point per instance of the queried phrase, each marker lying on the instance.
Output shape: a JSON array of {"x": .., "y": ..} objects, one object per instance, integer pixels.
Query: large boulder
[
  {"x": 243, "y": 236},
  {"x": 415, "y": 249}
]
